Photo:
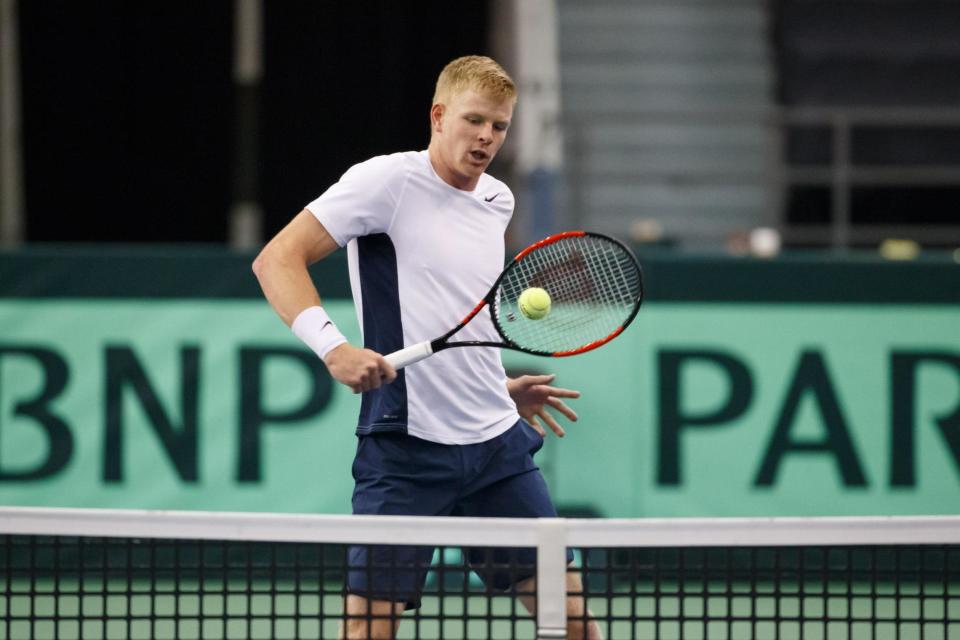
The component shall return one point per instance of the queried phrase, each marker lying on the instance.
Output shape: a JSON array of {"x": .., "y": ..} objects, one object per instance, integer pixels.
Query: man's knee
[
  {"x": 370, "y": 619},
  {"x": 367, "y": 629}
]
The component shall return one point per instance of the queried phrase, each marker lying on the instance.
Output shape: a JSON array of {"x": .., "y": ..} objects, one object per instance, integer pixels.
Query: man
[{"x": 451, "y": 434}]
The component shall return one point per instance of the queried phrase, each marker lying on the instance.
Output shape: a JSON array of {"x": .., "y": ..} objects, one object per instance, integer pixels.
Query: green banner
[
  {"x": 170, "y": 404},
  {"x": 699, "y": 409},
  {"x": 751, "y": 409}
]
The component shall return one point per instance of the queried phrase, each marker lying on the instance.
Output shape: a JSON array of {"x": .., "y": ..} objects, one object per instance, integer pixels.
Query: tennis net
[{"x": 78, "y": 574}]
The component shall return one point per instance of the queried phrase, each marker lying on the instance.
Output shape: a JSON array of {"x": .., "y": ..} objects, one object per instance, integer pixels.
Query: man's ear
[{"x": 436, "y": 117}]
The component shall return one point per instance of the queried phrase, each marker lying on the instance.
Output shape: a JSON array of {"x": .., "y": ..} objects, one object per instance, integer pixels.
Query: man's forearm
[
  {"x": 281, "y": 267},
  {"x": 286, "y": 285}
]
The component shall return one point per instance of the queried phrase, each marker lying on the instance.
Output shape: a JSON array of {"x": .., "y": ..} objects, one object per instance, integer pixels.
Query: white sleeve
[{"x": 363, "y": 201}]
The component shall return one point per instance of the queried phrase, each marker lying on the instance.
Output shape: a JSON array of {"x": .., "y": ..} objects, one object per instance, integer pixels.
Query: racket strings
[
  {"x": 586, "y": 287},
  {"x": 594, "y": 285},
  {"x": 578, "y": 318}
]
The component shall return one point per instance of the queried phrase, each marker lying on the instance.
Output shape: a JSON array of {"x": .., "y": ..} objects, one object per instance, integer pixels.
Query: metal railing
[{"x": 840, "y": 173}]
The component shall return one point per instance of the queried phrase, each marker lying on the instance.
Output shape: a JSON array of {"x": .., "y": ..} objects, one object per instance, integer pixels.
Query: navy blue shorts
[{"x": 397, "y": 474}]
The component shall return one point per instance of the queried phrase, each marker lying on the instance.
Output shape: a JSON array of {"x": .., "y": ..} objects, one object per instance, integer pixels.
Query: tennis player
[{"x": 450, "y": 435}]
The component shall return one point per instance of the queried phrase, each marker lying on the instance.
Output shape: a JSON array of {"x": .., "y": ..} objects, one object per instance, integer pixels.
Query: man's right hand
[{"x": 359, "y": 369}]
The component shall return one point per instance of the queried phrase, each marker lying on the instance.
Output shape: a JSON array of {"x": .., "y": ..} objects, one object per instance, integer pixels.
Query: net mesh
[
  {"x": 69, "y": 587},
  {"x": 594, "y": 286},
  {"x": 784, "y": 593},
  {"x": 904, "y": 583}
]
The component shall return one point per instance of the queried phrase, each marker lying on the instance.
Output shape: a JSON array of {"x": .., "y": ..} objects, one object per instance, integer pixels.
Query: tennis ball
[{"x": 534, "y": 303}]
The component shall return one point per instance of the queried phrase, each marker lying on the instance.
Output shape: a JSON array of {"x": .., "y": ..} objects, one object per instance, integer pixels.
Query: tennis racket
[{"x": 595, "y": 286}]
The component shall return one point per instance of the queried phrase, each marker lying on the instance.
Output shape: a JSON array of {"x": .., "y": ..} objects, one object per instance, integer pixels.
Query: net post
[{"x": 551, "y": 578}]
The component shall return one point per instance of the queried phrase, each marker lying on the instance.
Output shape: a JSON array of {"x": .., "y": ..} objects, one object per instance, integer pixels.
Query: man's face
[{"x": 467, "y": 133}]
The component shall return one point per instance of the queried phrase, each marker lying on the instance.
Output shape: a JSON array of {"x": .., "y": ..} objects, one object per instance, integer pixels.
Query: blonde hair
[{"x": 480, "y": 73}]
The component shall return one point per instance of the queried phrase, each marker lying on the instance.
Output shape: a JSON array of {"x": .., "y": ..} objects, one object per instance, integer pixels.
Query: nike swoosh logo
[{"x": 490, "y": 199}]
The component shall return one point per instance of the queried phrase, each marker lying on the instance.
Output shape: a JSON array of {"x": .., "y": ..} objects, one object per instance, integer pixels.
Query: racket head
[{"x": 595, "y": 286}]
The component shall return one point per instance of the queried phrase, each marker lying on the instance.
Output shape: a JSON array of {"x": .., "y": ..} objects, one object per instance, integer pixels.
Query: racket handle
[{"x": 409, "y": 355}]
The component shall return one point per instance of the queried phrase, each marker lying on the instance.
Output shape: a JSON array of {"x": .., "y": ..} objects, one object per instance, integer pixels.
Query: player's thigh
[
  {"x": 524, "y": 495},
  {"x": 398, "y": 475}
]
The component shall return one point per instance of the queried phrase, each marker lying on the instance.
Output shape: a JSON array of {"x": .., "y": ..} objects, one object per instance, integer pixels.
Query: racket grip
[{"x": 409, "y": 355}]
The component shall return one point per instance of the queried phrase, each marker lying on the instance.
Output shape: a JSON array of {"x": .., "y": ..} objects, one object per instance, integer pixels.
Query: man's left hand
[{"x": 533, "y": 395}]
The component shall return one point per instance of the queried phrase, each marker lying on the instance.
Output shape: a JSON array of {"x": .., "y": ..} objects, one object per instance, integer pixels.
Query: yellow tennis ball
[{"x": 534, "y": 303}]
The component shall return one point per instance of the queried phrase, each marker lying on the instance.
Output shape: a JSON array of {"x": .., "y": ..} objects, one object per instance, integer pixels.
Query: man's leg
[
  {"x": 383, "y": 581},
  {"x": 365, "y": 619},
  {"x": 580, "y": 622},
  {"x": 518, "y": 490},
  {"x": 395, "y": 474}
]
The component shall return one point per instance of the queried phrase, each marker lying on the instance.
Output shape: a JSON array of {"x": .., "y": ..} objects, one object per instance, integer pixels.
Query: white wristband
[{"x": 317, "y": 331}]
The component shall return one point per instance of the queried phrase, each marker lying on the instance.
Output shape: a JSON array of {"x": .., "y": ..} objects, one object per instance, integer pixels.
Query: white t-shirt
[{"x": 422, "y": 254}]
